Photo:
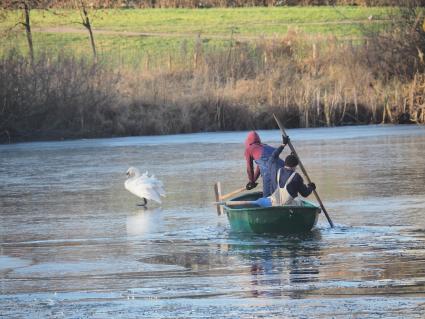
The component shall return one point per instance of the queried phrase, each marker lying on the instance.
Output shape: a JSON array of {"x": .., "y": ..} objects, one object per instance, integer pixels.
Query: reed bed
[{"x": 237, "y": 87}]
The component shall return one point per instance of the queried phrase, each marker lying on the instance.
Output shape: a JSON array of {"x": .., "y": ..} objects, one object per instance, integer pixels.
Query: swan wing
[
  {"x": 133, "y": 188},
  {"x": 143, "y": 188},
  {"x": 155, "y": 183}
]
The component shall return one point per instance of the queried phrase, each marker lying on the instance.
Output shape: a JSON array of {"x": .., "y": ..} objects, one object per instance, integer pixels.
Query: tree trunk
[
  {"x": 27, "y": 25},
  {"x": 87, "y": 25},
  {"x": 93, "y": 45}
]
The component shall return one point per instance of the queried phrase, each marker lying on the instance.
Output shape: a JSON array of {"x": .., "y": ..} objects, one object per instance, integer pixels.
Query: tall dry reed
[{"x": 306, "y": 83}]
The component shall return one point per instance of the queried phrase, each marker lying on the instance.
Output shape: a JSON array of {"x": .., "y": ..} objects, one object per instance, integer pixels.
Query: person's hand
[
  {"x": 285, "y": 139},
  {"x": 251, "y": 185},
  {"x": 312, "y": 186}
]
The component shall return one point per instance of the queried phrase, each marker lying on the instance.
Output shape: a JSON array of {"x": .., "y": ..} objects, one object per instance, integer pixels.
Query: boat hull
[{"x": 274, "y": 220}]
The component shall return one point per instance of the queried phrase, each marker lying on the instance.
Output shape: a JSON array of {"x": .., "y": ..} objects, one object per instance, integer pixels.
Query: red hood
[{"x": 252, "y": 138}]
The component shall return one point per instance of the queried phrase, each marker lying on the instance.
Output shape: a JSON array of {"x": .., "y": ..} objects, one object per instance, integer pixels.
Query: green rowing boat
[{"x": 276, "y": 220}]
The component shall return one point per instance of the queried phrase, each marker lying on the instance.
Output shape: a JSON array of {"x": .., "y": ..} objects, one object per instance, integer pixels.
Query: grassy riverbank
[
  {"x": 178, "y": 83},
  {"x": 133, "y": 34},
  {"x": 249, "y": 21}
]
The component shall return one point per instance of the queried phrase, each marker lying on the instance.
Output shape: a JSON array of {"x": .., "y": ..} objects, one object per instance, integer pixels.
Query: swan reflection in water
[{"x": 143, "y": 222}]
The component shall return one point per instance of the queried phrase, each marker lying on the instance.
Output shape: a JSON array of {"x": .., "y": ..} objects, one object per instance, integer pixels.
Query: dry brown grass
[{"x": 306, "y": 83}]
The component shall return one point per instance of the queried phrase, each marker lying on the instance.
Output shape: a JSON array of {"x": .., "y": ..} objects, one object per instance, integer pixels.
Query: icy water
[{"x": 73, "y": 243}]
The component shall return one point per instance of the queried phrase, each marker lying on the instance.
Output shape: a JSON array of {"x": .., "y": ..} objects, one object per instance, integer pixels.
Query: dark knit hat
[{"x": 291, "y": 160}]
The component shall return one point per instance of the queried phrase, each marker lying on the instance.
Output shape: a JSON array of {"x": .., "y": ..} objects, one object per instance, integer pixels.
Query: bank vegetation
[
  {"x": 108, "y": 4},
  {"x": 306, "y": 82}
]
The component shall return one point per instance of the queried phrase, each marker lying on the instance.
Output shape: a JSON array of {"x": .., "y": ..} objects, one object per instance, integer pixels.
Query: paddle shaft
[
  {"x": 235, "y": 203},
  {"x": 228, "y": 195},
  {"x": 282, "y": 129}
]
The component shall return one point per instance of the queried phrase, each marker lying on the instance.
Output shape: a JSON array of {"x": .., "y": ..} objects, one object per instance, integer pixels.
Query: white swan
[{"x": 144, "y": 186}]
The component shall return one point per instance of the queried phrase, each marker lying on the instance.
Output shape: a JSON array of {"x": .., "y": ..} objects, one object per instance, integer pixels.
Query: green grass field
[
  {"x": 172, "y": 30},
  {"x": 115, "y": 50},
  {"x": 248, "y": 21}
]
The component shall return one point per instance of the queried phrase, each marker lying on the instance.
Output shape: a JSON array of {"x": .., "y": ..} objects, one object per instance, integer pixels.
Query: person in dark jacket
[
  {"x": 260, "y": 153},
  {"x": 290, "y": 184},
  {"x": 274, "y": 163}
]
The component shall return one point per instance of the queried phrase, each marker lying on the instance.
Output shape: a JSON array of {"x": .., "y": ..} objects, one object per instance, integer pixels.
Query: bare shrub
[
  {"x": 64, "y": 95},
  {"x": 399, "y": 50}
]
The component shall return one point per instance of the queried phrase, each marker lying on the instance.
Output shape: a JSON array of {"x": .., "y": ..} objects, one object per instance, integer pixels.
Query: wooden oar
[
  {"x": 233, "y": 193},
  {"x": 220, "y": 198},
  {"x": 282, "y": 129},
  {"x": 262, "y": 202}
]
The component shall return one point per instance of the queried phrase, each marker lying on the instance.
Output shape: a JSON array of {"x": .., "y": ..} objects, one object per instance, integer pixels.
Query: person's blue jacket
[
  {"x": 273, "y": 164},
  {"x": 265, "y": 165}
]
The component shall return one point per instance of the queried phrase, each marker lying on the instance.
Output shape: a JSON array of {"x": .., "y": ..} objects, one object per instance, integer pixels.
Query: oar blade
[{"x": 217, "y": 192}]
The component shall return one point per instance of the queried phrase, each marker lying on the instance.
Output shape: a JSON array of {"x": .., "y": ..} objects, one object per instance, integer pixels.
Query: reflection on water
[
  {"x": 282, "y": 262},
  {"x": 73, "y": 243},
  {"x": 143, "y": 222}
]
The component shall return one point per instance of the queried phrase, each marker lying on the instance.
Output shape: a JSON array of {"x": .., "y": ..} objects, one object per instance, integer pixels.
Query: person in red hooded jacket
[{"x": 260, "y": 153}]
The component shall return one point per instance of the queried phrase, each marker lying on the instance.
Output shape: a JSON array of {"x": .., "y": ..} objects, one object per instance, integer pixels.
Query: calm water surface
[{"x": 73, "y": 243}]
